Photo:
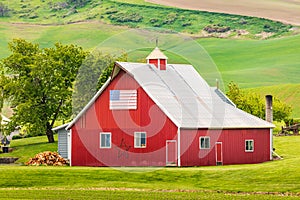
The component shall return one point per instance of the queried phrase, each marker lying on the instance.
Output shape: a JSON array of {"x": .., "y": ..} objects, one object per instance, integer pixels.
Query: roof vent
[{"x": 158, "y": 58}]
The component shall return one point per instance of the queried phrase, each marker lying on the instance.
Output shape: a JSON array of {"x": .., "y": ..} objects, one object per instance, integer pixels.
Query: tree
[
  {"x": 40, "y": 84},
  {"x": 93, "y": 73},
  {"x": 3, "y": 10},
  {"x": 254, "y": 104}
]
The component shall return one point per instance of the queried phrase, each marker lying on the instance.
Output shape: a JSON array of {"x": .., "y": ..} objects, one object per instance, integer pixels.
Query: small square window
[
  {"x": 204, "y": 142},
  {"x": 140, "y": 140},
  {"x": 105, "y": 140},
  {"x": 249, "y": 145}
]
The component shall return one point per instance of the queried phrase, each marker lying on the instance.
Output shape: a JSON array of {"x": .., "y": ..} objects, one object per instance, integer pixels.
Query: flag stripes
[{"x": 122, "y": 99}]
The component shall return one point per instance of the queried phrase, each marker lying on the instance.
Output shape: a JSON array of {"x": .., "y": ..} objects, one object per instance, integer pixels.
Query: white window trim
[
  {"x": 246, "y": 145},
  {"x": 105, "y": 133},
  {"x": 204, "y": 137},
  {"x": 135, "y": 136}
]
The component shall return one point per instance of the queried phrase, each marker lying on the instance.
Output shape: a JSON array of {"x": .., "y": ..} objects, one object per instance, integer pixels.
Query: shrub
[
  {"x": 153, "y": 20},
  {"x": 216, "y": 28},
  {"x": 186, "y": 24},
  {"x": 126, "y": 17},
  {"x": 170, "y": 19}
]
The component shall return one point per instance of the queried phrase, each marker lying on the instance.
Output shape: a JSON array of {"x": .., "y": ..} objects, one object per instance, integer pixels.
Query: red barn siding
[
  {"x": 233, "y": 146},
  {"x": 154, "y": 62},
  {"x": 163, "y": 63},
  {"x": 122, "y": 124}
]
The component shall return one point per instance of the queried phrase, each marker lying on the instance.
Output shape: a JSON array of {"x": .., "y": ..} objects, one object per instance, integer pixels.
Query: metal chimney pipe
[{"x": 269, "y": 108}]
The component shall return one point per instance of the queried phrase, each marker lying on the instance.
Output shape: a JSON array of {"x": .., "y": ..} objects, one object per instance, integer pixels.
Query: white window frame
[
  {"x": 249, "y": 150},
  {"x": 204, "y": 138},
  {"x": 105, "y": 133},
  {"x": 137, "y": 135}
]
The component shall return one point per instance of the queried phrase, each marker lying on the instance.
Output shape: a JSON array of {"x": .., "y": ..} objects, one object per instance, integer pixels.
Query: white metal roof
[
  {"x": 188, "y": 100},
  {"x": 185, "y": 97}
]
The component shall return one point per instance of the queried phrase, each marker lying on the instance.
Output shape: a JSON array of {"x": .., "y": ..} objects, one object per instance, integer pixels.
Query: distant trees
[
  {"x": 93, "y": 73},
  {"x": 40, "y": 84},
  {"x": 78, "y": 3},
  {"x": 254, "y": 104},
  {"x": 4, "y": 10}
]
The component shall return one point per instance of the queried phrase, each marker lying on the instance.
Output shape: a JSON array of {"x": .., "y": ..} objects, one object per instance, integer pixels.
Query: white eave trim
[
  {"x": 91, "y": 102},
  {"x": 60, "y": 127}
]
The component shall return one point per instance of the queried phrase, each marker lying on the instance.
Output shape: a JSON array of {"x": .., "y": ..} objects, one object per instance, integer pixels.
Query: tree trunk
[{"x": 49, "y": 133}]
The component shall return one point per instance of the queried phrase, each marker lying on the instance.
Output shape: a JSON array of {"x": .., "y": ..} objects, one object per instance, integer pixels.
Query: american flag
[{"x": 122, "y": 99}]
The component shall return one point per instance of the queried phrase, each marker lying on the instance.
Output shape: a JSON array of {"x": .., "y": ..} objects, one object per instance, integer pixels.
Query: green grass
[
  {"x": 217, "y": 182},
  {"x": 28, "y": 147}
]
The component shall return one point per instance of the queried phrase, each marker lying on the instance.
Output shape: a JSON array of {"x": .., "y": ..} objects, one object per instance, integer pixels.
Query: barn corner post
[{"x": 269, "y": 118}]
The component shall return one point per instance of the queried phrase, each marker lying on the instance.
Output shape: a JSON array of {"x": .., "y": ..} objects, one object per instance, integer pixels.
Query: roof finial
[{"x": 156, "y": 42}]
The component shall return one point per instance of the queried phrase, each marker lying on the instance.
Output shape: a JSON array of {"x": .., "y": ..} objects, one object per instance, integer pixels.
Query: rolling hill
[
  {"x": 280, "y": 10},
  {"x": 251, "y": 63}
]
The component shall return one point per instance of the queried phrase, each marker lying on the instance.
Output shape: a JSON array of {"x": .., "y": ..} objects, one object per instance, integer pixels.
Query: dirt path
[{"x": 287, "y": 11}]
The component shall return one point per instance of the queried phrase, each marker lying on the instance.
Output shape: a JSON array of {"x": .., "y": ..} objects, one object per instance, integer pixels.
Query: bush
[
  {"x": 170, "y": 19},
  {"x": 216, "y": 28},
  {"x": 126, "y": 17}
]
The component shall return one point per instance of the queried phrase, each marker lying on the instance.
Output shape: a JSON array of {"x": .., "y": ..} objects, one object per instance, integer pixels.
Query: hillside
[
  {"x": 142, "y": 16},
  {"x": 279, "y": 10},
  {"x": 288, "y": 93},
  {"x": 243, "y": 59}
]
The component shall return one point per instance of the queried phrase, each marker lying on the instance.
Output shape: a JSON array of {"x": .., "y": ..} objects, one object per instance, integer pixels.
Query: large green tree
[
  {"x": 254, "y": 104},
  {"x": 93, "y": 73},
  {"x": 39, "y": 84}
]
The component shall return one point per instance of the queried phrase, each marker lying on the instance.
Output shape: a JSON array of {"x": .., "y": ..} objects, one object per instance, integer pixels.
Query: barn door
[
  {"x": 171, "y": 153},
  {"x": 219, "y": 153}
]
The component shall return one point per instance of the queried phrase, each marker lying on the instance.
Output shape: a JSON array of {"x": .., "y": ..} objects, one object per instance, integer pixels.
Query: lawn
[{"x": 217, "y": 182}]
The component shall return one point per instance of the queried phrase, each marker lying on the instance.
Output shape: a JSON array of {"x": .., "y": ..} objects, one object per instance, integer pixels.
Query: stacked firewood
[{"x": 47, "y": 158}]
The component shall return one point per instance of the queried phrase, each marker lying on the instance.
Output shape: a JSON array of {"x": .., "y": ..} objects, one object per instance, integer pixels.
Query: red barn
[{"x": 159, "y": 114}]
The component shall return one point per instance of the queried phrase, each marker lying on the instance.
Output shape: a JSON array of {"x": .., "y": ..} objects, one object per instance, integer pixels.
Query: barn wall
[
  {"x": 233, "y": 146},
  {"x": 122, "y": 124},
  {"x": 63, "y": 143}
]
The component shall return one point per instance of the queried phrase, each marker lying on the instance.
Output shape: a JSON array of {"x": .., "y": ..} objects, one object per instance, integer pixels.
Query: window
[
  {"x": 140, "y": 140},
  {"x": 122, "y": 99},
  {"x": 105, "y": 140},
  {"x": 204, "y": 142},
  {"x": 249, "y": 145}
]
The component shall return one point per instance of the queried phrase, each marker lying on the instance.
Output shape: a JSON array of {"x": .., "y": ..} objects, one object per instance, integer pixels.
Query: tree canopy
[
  {"x": 254, "y": 104},
  {"x": 93, "y": 73},
  {"x": 39, "y": 84}
]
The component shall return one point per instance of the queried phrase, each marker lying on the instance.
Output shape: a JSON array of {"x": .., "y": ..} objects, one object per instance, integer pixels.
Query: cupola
[{"x": 158, "y": 58}]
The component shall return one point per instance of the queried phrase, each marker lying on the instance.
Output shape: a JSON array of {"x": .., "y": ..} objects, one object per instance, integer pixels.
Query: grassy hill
[
  {"x": 141, "y": 16},
  {"x": 288, "y": 93},
  {"x": 281, "y": 10},
  {"x": 270, "y": 180},
  {"x": 251, "y": 63}
]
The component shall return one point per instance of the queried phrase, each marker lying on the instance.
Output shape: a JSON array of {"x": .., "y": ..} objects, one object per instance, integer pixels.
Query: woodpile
[{"x": 47, "y": 158}]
